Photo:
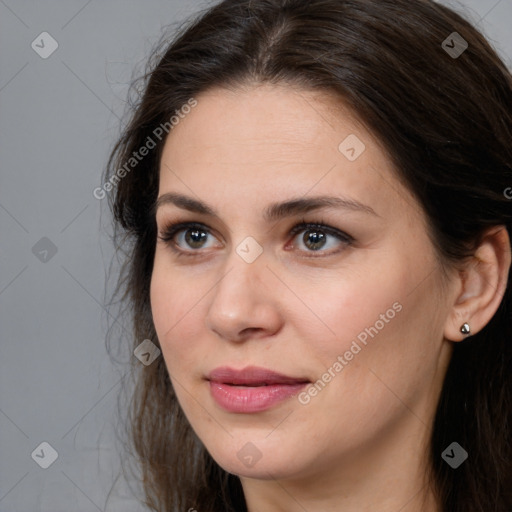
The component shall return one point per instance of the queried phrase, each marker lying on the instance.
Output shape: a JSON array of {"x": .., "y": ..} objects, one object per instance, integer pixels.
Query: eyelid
[{"x": 170, "y": 229}]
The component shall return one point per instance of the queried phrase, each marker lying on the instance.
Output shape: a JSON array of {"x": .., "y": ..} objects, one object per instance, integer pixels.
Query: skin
[{"x": 359, "y": 445}]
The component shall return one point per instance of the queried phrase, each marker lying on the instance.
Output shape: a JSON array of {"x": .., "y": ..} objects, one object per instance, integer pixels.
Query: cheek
[
  {"x": 388, "y": 336},
  {"x": 176, "y": 306},
  {"x": 347, "y": 308},
  {"x": 373, "y": 319},
  {"x": 324, "y": 312}
]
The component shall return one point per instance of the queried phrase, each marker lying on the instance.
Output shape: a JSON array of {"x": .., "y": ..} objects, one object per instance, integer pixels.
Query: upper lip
[{"x": 251, "y": 376}]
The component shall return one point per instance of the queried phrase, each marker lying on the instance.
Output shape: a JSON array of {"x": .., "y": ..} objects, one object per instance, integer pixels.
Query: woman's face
[{"x": 353, "y": 311}]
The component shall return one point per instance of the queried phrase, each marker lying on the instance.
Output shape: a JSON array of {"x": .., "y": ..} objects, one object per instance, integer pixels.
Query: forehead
[
  {"x": 264, "y": 119},
  {"x": 276, "y": 140}
]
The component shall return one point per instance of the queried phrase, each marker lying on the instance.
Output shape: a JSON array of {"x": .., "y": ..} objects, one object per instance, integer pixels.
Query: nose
[{"x": 244, "y": 302}]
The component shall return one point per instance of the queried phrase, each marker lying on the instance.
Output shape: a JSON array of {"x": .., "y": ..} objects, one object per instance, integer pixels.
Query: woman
[{"x": 317, "y": 197}]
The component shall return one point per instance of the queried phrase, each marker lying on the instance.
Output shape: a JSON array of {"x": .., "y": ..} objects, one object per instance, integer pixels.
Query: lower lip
[{"x": 252, "y": 399}]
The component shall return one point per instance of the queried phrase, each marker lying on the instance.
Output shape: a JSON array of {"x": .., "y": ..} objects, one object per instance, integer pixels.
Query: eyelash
[{"x": 171, "y": 230}]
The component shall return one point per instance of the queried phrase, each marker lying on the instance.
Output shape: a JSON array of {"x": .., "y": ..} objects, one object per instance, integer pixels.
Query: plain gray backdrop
[{"x": 59, "y": 115}]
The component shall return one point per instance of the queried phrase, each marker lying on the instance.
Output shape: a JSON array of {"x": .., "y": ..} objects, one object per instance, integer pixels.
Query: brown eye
[
  {"x": 317, "y": 237},
  {"x": 195, "y": 237},
  {"x": 185, "y": 236},
  {"x": 314, "y": 240}
]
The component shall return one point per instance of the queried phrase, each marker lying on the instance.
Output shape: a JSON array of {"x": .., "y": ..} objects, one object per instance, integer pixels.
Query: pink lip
[{"x": 251, "y": 389}]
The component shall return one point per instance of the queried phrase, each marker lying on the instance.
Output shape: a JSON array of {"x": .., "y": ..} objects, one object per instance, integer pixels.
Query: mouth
[{"x": 252, "y": 389}]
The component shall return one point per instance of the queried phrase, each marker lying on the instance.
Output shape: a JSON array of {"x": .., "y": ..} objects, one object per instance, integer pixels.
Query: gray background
[{"x": 58, "y": 119}]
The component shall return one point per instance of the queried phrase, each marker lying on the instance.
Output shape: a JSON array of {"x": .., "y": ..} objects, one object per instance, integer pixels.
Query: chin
[{"x": 248, "y": 463}]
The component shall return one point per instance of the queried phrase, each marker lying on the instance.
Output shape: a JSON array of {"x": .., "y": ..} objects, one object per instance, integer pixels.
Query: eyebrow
[{"x": 274, "y": 211}]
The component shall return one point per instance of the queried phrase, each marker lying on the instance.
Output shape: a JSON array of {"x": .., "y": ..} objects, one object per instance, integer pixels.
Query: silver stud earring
[{"x": 465, "y": 329}]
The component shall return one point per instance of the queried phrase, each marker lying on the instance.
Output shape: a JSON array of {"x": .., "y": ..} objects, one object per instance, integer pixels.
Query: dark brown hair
[{"x": 446, "y": 122}]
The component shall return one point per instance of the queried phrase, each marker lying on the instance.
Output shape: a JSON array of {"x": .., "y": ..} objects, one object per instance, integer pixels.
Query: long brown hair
[{"x": 442, "y": 111}]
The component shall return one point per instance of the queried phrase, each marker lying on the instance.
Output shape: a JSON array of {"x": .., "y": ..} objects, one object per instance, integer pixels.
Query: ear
[{"x": 481, "y": 285}]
